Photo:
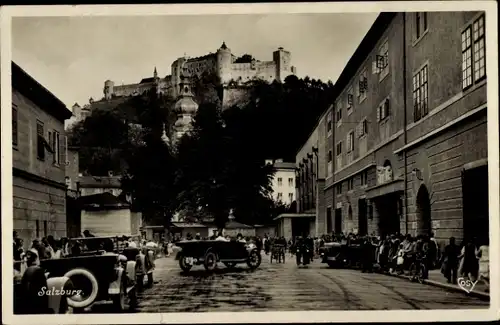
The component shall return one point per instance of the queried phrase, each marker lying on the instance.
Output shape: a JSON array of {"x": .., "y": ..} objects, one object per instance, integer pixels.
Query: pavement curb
[{"x": 449, "y": 287}]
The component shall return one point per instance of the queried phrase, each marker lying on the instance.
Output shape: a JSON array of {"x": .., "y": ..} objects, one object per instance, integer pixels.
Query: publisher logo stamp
[{"x": 466, "y": 284}]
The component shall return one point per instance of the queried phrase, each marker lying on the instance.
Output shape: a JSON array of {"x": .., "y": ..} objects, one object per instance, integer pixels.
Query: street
[{"x": 285, "y": 287}]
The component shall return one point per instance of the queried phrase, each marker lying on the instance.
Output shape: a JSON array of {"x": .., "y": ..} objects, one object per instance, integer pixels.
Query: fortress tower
[
  {"x": 108, "y": 89},
  {"x": 283, "y": 59},
  {"x": 224, "y": 62}
]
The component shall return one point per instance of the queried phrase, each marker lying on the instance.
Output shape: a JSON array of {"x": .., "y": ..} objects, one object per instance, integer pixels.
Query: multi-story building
[
  {"x": 39, "y": 159},
  {"x": 310, "y": 176},
  {"x": 409, "y": 130},
  {"x": 283, "y": 183}
]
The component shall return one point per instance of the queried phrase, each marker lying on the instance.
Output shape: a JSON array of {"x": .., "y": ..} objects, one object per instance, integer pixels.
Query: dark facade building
[{"x": 409, "y": 130}]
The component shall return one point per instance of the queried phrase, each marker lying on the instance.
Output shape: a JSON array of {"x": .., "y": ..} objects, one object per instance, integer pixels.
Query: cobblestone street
[{"x": 285, "y": 287}]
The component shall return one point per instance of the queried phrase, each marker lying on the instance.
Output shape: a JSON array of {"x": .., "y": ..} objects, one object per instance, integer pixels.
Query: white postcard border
[{"x": 251, "y": 317}]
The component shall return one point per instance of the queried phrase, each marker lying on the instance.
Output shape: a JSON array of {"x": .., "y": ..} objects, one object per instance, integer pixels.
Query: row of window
[
  {"x": 52, "y": 145},
  {"x": 280, "y": 181},
  {"x": 473, "y": 70},
  {"x": 350, "y": 182},
  {"x": 290, "y": 197}
]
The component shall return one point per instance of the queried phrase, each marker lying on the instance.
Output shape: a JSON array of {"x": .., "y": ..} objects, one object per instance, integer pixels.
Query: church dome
[
  {"x": 186, "y": 104},
  {"x": 181, "y": 123}
]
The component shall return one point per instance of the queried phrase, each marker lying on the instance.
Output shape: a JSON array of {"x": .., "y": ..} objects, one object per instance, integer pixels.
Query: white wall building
[{"x": 284, "y": 181}]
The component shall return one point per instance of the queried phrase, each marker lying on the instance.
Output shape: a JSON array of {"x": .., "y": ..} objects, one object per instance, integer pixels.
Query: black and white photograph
[{"x": 302, "y": 161}]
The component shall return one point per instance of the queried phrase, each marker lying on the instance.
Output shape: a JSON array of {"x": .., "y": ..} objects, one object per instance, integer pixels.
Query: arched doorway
[{"x": 424, "y": 224}]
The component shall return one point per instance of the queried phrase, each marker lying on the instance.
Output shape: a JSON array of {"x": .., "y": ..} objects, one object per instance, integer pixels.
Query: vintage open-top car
[
  {"x": 30, "y": 287},
  {"x": 343, "y": 254},
  {"x": 209, "y": 252}
]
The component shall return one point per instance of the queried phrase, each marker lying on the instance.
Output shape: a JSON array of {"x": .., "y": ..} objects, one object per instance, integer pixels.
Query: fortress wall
[
  {"x": 198, "y": 66},
  {"x": 235, "y": 96},
  {"x": 244, "y": 72}
]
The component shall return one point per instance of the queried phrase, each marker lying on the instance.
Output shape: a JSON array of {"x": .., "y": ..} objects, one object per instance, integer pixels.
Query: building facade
[
  {"x": 310, "y": 175},
  {"x": 39, "y": 159},
  {"x": 409, "y": 130},
  {"x": 283, "y": 183}
]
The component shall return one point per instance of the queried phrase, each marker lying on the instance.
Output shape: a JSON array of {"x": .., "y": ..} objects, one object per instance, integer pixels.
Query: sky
[{"x": 73, "y": 56}]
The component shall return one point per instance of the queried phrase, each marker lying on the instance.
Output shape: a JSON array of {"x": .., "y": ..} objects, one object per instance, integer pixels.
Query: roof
[
  {"x": 188, "y": 225},
  {"x": 236, "y": 225},
  {"x": 38, "y": 94},
  {"x": 100, "y": 181},
  {"x": 295, "y": 215},
  {"x": 284, "y": 165},
  {"x": 102, "y": 200},
  {"x": 364, "y": 48},
  {"x": 147, "y": 80}
]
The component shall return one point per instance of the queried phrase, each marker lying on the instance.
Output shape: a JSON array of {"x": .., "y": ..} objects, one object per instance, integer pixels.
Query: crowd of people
[
  {"x": 395, "y": 253},
  {"x": 391, "y": 254}
]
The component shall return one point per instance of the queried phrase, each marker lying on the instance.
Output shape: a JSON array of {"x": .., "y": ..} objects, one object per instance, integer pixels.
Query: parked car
[
  {"x": 100, "y": 277},
  {"x": 30, "y": 285},
  {"x": 209, "y": 252}
]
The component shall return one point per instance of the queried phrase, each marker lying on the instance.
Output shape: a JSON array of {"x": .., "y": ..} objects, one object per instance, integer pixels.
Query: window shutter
[
  {"x": 387, "y": 107},
  {"x": 374, "y": 66},
  {"x": 378, "y": 114},
  {"x": 62, "y": 152}
]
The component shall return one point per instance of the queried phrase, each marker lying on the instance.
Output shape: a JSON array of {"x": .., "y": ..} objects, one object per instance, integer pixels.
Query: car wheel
[
  {"x": 210, "y": 261},
  {"x": 183, "y": 265},
  {"x": 230, "y": 265},
  {"x": 119, "y": 299},
  {"x": 254, "y": 259},
  {"x": 78, "y": 301}
]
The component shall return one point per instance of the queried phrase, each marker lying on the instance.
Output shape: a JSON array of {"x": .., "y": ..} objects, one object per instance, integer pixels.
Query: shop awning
[
  {"x": 394, "y": 186},
  {"x": 296, "y": 215},
  {"x": 476, "y": 164}
]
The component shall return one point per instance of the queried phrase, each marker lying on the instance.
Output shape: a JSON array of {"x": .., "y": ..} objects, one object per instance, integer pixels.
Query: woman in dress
[{"x": 483, "y": 254}]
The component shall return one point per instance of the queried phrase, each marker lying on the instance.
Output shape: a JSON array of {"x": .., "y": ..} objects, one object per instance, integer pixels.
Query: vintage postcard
[{"x": 306, "y": 162}]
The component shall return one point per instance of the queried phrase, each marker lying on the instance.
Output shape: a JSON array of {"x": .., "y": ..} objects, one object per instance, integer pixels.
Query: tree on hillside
[
  {"x": 151, "y": 165},
  {"x": 285, "y": 113},
  {"x": 206, "y": 88},
  {"x": 100, "y": 139},
  {"x": 245, "y": 58},
  {"x": 219, "y": 170}
]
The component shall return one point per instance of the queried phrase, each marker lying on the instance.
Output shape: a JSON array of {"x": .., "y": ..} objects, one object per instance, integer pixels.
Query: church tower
[{"x": 185, "y": 109}]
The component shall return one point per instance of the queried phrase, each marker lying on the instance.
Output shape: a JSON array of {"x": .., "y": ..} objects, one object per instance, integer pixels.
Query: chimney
[
  {"x": 269, "y": 162},
  {"x": 110, "y": 173}
]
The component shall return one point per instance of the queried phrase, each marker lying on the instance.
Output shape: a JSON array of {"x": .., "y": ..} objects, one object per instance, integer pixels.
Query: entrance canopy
[
  {"x": 295, "y": 215},
  {"x": 394, "y": 186}
]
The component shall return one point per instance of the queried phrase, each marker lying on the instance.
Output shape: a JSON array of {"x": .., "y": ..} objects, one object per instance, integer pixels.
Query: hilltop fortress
[
  {"x": 222, "y": 63},
  {"x": 232, "y": 73}
]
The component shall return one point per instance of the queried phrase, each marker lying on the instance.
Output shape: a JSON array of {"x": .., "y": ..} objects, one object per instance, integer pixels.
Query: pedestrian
[
  {"x": 434, "y": 251},
  {"x": 469, "y": 265},
  {"x": 449, "y": 261},
  {"x": 483, "y": 253}
]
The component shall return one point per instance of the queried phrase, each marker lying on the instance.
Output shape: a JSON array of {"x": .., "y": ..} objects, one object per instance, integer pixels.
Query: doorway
[
  {"x": 362, "y": 218},
  {"x": 476, "y": 204},
  {"x": 424, "y": 221},
  {"x": 338, "y": 221},
  {"x": 387, "y": 207},
  {"x": 300, "y": 227}
]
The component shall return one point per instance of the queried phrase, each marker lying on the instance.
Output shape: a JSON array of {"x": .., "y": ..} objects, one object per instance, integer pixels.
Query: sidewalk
[{"x": 437, "y": 279}]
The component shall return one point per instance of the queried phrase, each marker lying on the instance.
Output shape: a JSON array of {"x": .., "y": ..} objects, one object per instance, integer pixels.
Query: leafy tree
[{"x": 245, "y": 58}]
